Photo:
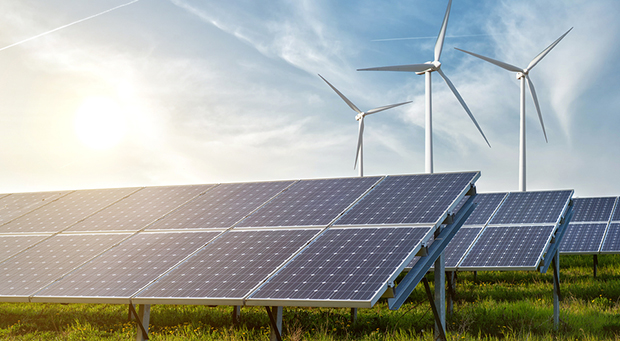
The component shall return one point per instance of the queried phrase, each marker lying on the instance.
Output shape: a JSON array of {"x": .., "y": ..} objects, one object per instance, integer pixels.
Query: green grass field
[{"x": 497, "y": 306}]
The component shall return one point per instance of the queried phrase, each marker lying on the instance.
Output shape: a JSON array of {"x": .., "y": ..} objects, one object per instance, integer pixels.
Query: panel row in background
[
  {"x": 507, "y": 231},
  {"x": 594, "y": 228},
  {"x": 305, "y": 203},
  {"x": 380, "y": 224}
]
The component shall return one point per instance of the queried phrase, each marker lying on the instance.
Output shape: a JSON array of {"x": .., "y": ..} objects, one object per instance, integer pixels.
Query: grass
[{"x": 494, "y": 306}]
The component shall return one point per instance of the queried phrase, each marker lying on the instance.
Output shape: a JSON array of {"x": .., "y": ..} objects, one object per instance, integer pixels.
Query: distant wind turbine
[
  {"x": 359, "y": 155},
  {"x": 522, "y": 74},
  {"x": 426, "y": 69}
]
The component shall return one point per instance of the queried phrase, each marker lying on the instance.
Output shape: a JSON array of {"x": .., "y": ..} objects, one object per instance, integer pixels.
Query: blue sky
[{"x": 214, "y": 91}]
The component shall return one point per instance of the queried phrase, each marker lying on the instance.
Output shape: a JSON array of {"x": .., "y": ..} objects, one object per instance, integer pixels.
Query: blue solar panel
[
  {"x": 532, "y": 207},
  {"x": 230, "y": 266},
  {"x": 582, "y": 238},
  {"x": 508, "y": 247},
  {"x": 612, "y": 239},
  {"x": 409, "y": 199},
  {"x": 351, "y": 264},
  {"x": 592, "y": 209},
  {"x": 616, "y": 215},
  {"x": 222, "y": 206},
  {"x": 310, "y": 203},
  {"x": 486, "y": 204}
]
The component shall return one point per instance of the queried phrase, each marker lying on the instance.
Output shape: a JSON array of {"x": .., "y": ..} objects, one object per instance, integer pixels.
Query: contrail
[
  {"x": 433, "y": 37},
  {"x": 67, "y": 25}
]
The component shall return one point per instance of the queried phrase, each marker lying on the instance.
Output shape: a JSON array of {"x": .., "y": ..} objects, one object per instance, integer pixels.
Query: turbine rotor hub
[
  {"x": 359, "y": 116},
  {"x": 521, "y": 74}
]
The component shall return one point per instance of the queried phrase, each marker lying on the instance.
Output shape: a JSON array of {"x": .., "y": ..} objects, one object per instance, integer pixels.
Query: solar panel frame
[{"x": 595, "y": 209}]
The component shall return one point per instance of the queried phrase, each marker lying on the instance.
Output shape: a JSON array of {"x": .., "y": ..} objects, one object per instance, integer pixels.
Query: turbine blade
[
  {"x": 493, "y": 61},
  {"x": 406, "y": 68},
  {"x": 545, "y": 51},
  {"x": 442, "y": 33},
  {"x": 458, "y": 96},
  {"x": 529, "y": 82},
  {"x": 360, "y": 135},
  {"x": 376, "y": 110},
  {"x": 344, "y": 98}
]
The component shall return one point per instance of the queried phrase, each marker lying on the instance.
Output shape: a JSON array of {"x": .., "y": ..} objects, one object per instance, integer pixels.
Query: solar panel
[
  {"x": 592, "y": 209},
  {"x": 36, "y": 267},
  {"x": 121, "y": 271},
  {"x": 508, "y": 247},
  {"x": 342, "y": 265},
  {"x": 222, "y": 206},
  {"x": 616, "y": 215},
  {"x": 66, "y": 211},
  {"x": 611, "y": 243},
  {"x": 17, "y": 204},
  {"x": 532, "y": 207},
  {"x": 11, "y": 245},
  {"x": 310, "y": 203},
  {"x": 410, "y": 199},
  {"x": 140, "y": 209},
  {"x": 228, "y": 268},
  {"x": 582, "y": 238},
  {"x": 486, "y": 204}
]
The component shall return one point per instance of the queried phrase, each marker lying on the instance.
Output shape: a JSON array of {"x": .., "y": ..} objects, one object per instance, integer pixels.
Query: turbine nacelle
[
  {"x": 360, "y": 116},
  {"x": 432, "y": 66},
  {"x": 521, "y": 74}
]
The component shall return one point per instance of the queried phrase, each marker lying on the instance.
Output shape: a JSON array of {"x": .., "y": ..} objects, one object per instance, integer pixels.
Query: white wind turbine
[
  {"x": 522, "y": 74},
  {"x": 359, "y": 155},
  {"x": 426, "y": 69}
]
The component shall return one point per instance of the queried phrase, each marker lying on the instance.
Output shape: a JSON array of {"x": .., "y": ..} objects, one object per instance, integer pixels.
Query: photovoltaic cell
[
  {"x": 17, "y": 204},
  {"x": 230, "y": 266},
  {"x": 592, "y": 209},
  {"x": 310, "y": 203},
  {"x": 409, "y": 199},
  {"x": 532, "y": 207},
  {"x": 582, "y": 238},
  {"x": 38, "y": 266},
  {"x": 612, "y": 239},
  {"x": 351, "y": 264},
  {"x": 140, "y": 209},
  {"x": 222, "y": 206},
  {"x": 11, "y": 245},
  {"x": 616, "y": 216},
  {"x": 487, "y": 203},
  {"x": 123, "y": 270},
  {"x": 508, "y": 247},
  {"x": 66, "y": 211}
]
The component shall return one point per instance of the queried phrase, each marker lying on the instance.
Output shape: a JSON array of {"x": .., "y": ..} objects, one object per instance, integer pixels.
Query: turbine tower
[
  {"x": 426, "y": 70},
  {"x": 523, "y": 75},
  {"x": 359, "y": 155}
]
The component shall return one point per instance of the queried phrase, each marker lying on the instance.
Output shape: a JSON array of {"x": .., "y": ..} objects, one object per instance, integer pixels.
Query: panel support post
[
  {"x": 556, "y": 290},
  {"x": 441, "y": 331},
  {"x": 451, "y": 277},
  {"x": 275, "y": 321},
  {"x": 595, "y": 264},
  {"x": 440, "y": 293},
  {"x": 236, "y": 314},
  {"x": 142, "y": 319},
  {"x": 353, "y": 316}
]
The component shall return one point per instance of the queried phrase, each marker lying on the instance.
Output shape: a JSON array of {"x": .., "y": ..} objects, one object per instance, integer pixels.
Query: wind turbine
[
  {"x": 359, "y": 155},
  {"x": 522, "y": 74},
  {"x": 426, "y": 70}
]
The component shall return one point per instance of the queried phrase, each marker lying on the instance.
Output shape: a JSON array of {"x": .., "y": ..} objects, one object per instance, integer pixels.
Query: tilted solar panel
[
  {"x": 583, "y": 238},
  {"x": 616, "y": 214},
  {"x": 532, "y": 207},
  {"x": 486, "y": 204},
  {"x": 611, "y": 244},
  {"x": 17, "y": 204},
  {"x": 310, "y": 203},
  {"x": 11, "y": 245},
  {"x": 343, "y": 267},
  {"x": 38, "y": 266},
  {"x": 120, "y": 272},
  {"x": 140, "y": 209},
  {"x": 222, "y": 206},
  {"x": 66, "y": 211},
  {"x": 410, "y": 199},
  {"x": 228, "y": 268},
  {"x": 592, "y": 209}
]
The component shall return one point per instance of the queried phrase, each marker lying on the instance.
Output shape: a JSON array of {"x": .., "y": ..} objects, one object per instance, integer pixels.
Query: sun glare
[{"x": 100, "y": 123}]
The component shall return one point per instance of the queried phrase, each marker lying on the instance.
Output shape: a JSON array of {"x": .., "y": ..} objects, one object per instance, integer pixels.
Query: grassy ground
[{"x": 495, "y": 306}]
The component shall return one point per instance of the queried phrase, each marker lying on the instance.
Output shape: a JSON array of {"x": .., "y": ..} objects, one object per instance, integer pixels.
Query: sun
[{"x": 100, "y": 123}]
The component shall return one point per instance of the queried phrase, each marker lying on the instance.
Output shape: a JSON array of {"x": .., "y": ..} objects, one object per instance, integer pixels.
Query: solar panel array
[
  {"x": 324, "y": 242},
  {"x": 593, "y": 228},
  {"x": 507, "y": 231}
]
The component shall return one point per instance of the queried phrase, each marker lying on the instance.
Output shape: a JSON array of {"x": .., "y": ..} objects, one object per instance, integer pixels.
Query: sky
[{"x": 166, "y": 92}]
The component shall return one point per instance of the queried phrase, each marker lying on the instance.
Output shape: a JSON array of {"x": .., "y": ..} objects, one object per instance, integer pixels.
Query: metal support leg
[
  {"x": 475, "y": 276},
  {"x": 595, "y": 265},
  {"x": 353, "y": 316},
  {"x": 556, "y": 290},
  {"x": 431, "y": 300},
  {"x": 236, "y": 314},
  {"x": 440, "y": 292},
  {"x": 451, "y": 277},
  {"x": 275, "y": 321},
  {"x": 142, "y": 318}
]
